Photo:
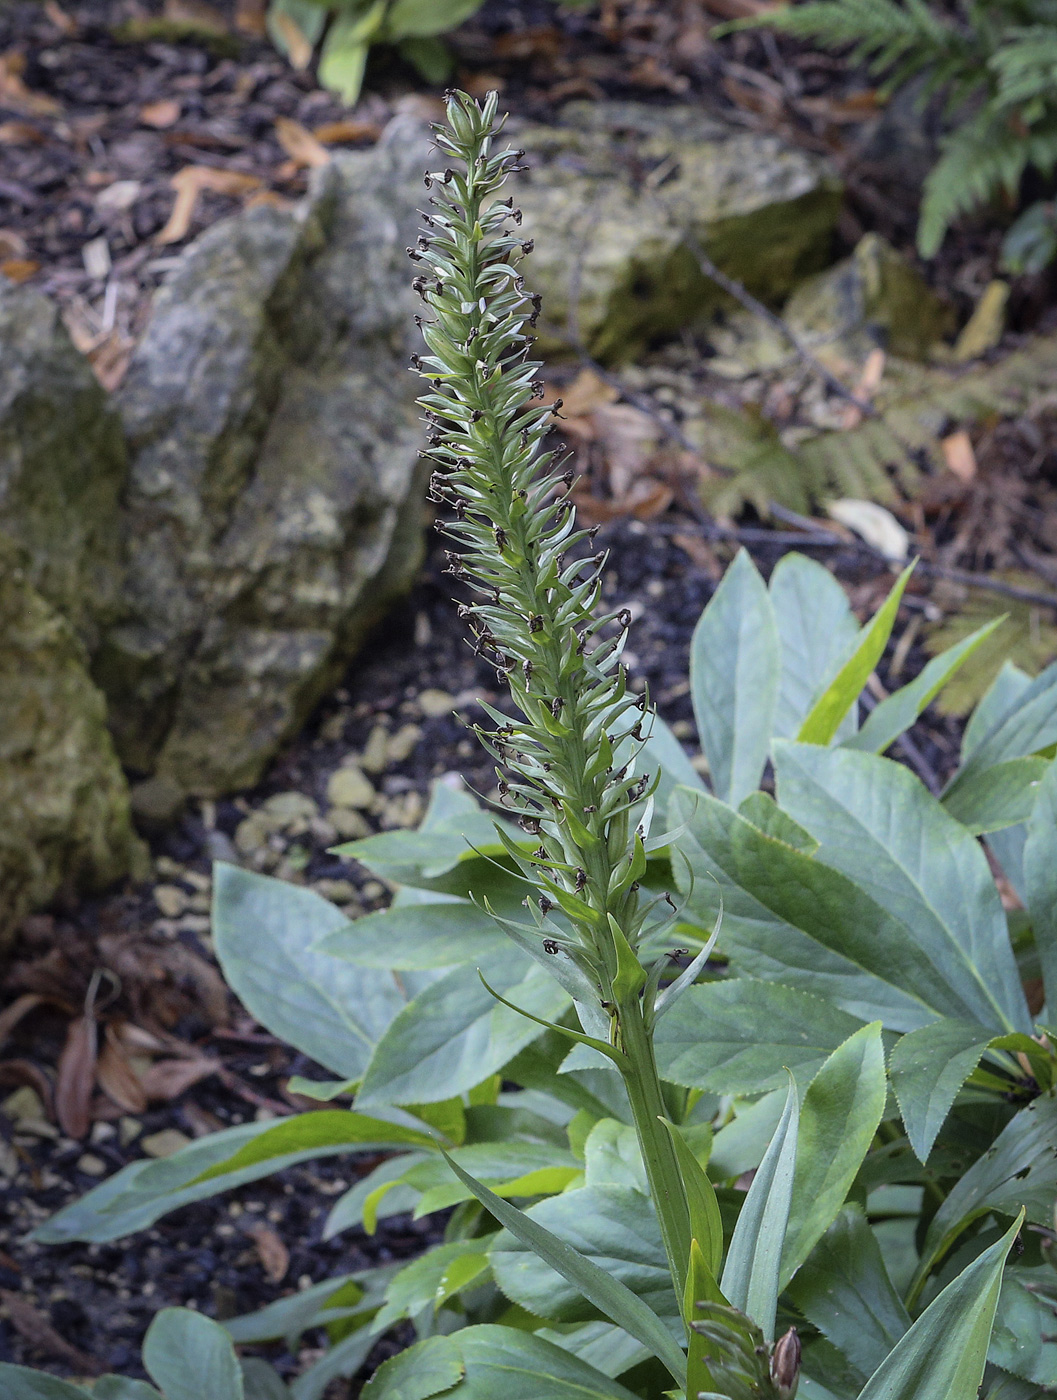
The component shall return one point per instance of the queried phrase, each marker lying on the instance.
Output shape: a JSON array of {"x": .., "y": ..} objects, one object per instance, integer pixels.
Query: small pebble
[
  {"x": 290, "y": 807},
  {"x": 337, "y": 891},
  {"x": 403, "y": 743},
  {"x": 434, "y": 703},
  {"x": 128, "y": 1130},
  {"x": 171, "y": 900},
  {"x": 165, "y": 1143},
  {"x": 349, "y": 825},
  {"x": 348, "y": 787},
  {"x": 376, "y": 752},
  {"x": 91, "y": 1165}
]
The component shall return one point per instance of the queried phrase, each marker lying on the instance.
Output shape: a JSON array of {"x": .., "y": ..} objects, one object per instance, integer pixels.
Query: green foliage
[
  {"x": 599, "y": 1201},
  {"x": 993, "y": 59}
]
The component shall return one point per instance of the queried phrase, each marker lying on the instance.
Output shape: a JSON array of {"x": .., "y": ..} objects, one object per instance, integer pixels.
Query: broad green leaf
[
  {"x": 1002, "y": 696},
  {"x": 763, "y": 811},
  {"x": 843, "y": 1288},
  {"x": 419, "y": 1285},
  {"x": 344, "y": 57},
  {"x": 265, "y": 932},
  {"x": 23, "y": 1383},
  {"x": 740, "y": 1036},
  {"x": 1018, "y": 1171},
  {"x": 663, "y": 754},
  {"x": 895, "y": 714},
  {"x": 614, "y": 1227},
  {"x": 996, "y": 797},
  {"x": 431, "y": 57},
  {"x": 751, "y": 1274},
  {"x": 259, "y": 1381},
  {"x": 496, "y": 1362},
  {"x": 1040, "y": 883},
  {"x": 309, "y": 19},
  {"x": 1024, "y": 1340},
  {"x": 424, "y": 1370},
  {"x": 928, "y": 1068},
  {"x": 816, "y": 630},
  {"x": 122, "y": 1388},
  {"x": 1026, "y": 727},
  {"x": 135, "y": 1197},
  {"x": 789, "y": 918},
  {"x": 609, "y": 1349},
  {"x": 944, "y": 1352},
  {"x": 189, "y": 1356},
  {"x": 416, "y": 936},
  {"x": 839, "y": 1116},
  {"x": 612, "y": 1157},
  {"x": 877, "y": 823},
  {"x": 454, "y": 1033},
  {"x": 383, "y": 1189},
  {"x": 825, "y": 716},
  {"x": 606, "y": 1293},
  {"x": 337, "y": 1128},
  {"x": 735, "y": 666},
  {"x": 426, "y": 17}
]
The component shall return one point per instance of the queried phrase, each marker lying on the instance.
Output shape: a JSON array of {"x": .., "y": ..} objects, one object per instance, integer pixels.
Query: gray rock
[
  {"x": 611, "y": 193},
  {"x": 62, "y": 463},
  {"x": 276, "y": 492},
  {"x": 64, "y": 806}
]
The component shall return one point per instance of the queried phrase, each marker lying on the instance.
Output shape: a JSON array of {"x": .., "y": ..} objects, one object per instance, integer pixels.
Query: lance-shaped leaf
[
  {"x": 876, "y": 822},
  {"x": 838, "y": 1119},
  {"x": 826, "y": 714},
  {"x": 706, "y": 1223},
  {"x": 928, "y": 1067},
  {"x": 1024, "y": 1339},
  {"x": 843, "y": 1288},
  {"x": 817, "y": 630},
  {"x": 997, "y": 797},
  {"x": 898, "y": 711},
  {"x": 1040, "y": 883},
  {"x": 605, "y": 1293},
  {"x": 734, "y": 673},
  {"x": 944, "y": 1352},
  {"x": 189, "y": 1356},
  {"x": 1026, "y": 725},
  {"x": 751, "y": 1274}
]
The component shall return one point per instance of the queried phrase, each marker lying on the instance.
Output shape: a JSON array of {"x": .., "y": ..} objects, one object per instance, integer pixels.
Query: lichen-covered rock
[
  {"x": 62, "y": 462},
  {"x": 611, "y": 194},
  {"x": 276, "y": 491},
  {"x": 64, "y": 802}
]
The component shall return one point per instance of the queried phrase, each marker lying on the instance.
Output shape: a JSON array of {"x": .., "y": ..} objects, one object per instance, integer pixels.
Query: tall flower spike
[
  {"x": 568, "y": 756},
  {"x": 535, "y": 614}
]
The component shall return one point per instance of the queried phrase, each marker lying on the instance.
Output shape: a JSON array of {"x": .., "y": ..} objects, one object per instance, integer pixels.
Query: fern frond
[
  {"x": 882, "y": 32},
  {"x": 984, "y": 155},
  {"x": 1025, "y": 67}
]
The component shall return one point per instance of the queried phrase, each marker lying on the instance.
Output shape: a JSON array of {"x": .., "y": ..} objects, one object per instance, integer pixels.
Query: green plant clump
[
  {"x": 996, "y": 63},
  {"x": 749, "y": 1109}
]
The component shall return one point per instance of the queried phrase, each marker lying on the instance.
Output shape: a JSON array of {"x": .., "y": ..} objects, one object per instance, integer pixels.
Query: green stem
[{"x": 658, "y": 1151}]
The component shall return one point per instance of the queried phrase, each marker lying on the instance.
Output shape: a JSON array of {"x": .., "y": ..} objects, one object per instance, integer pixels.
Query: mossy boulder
[
  {"x": 64, "y": 802},
  {"x": 614, "y": 189}
]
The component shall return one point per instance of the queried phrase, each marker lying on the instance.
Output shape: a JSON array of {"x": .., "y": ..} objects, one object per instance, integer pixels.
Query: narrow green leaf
[
  {"x": 611, "y": 1298},
  {"x": 1026, "y": 726},
  {"x": 325, "y": 1128},
  {"x": 816, "y": 629},
  {"x": 750, "y": 1276},
  {"x": 843, "y": 1288},
  {"x": 701, "y": 1285},
  {"x": 189, "y": 1356},
  {"x": 427, "y": 17},
  {"x": 1040, "y": 883},
  {"x": 344, "y": 58},
  {"x": 928, "y": 1068},
  {"x": 944, "y": 1352},
  {"x": 260, "y": 1381},
  {"x": 1001, "y": 697},
  {"x": 833, "y": 704},
  {"x": 996, "y": 797},
  {"x": 838, "y": 1119},
  {"x": 734, "y": 673},
  {"x": 706, "y": 1223}
]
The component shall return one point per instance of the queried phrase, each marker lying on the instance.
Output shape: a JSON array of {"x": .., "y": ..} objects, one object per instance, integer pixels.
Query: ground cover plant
[{"x": 817, "y": 987}]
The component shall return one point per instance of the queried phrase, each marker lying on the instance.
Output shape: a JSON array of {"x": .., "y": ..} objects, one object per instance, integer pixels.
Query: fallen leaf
[
  {"x": 96, "y": 258},
  {"x": 868, "y": 385},
  {"x": 161, "y": 114},
  {"x": 269, "y": 197},
  {"x": 73, "y": 1088},
  {"x": 19, "y": 269},
  {"x": 273, "y": 1254},
  {"x": 250, "y": 18},
  {"x": 299, "y": 143},
  {"x": 29, "y": 1322},
  {"x": 121, "y": 195},
  {"x": 340, "y": 132},
  {"x": 65, "y": 23},
  {"x": 28, "y": 1075},
  {"x": 12, "y": 244},
  {"x": 21, "y": 134},
  {"x": 877, "y": 526},
  {"x": 629, "y": 438},
  {"x": 959, "y": 455},
  {"x": 587, "y": 392},
  {"x": 189, "y": 184},
  {"x": 11, "y": 1015},
  {"x": 14, "y": 93},
  {"x": 298, "y": 46},
  {"x": 199, "y": 13},
  {"x": 168, "y": 1079},
  {"x": 117, "y": 1078}
]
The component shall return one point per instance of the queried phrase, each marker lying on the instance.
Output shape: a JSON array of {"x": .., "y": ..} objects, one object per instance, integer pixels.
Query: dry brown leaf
[
  {"x": 250, "y": 18},
  {"x": 19, "y": 269},
  {"x": 12, "y": 244},
  {"x": 65, "y": 23},
  {"x": 26, "y": 1072},
  {"x": 168, "y": 1079},
  {"x": 587, "y": 392},
  {"x": 197, "y": 12},
  {"x": 189, "y": 184},
  {"x": 29, "y": 1322},
  {"x": 110, "y": 359},
  {"x": 299, "y": 143},
  {"x": 269, "y": 197},
  {"x": 298, "y": 47},
  {"x": 117, "y": 1078},
  {"x": 11, "y": 1015},
  {"x": 959, "y": 455},
  {"x": 868, "y": 385},
  {"x": 629, "y": 438},
  {"x": 14, "y": 93},
  {"x": 73, "y": 1088},
  {"x": 161, "y": 114},
  {"x": 338, "y": 133},
  {"x": 273, "y": 1254},
  {"x": 21, "y": 134}
]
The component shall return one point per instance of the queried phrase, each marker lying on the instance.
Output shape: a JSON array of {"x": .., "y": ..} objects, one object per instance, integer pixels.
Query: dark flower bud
[{"x": 785, "y": 1364}]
